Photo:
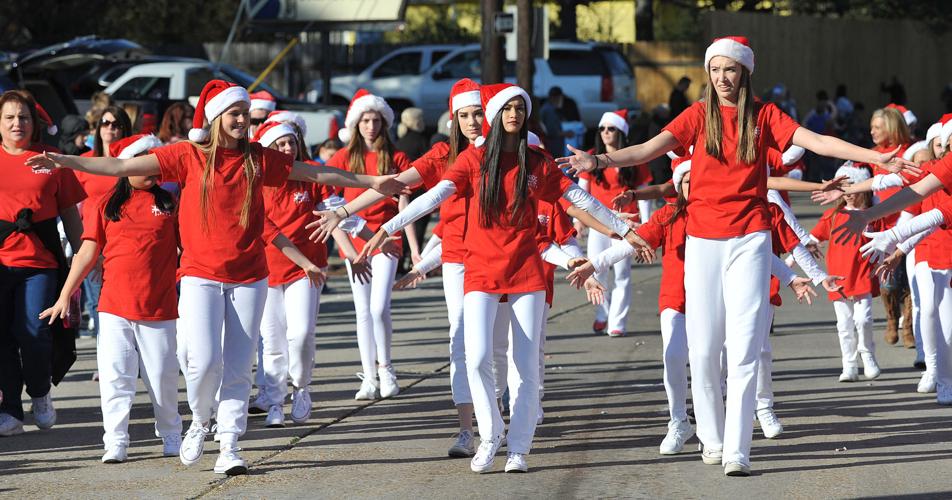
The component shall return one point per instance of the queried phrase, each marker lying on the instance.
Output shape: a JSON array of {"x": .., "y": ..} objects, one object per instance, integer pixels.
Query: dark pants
[{"x": 25, "y": 342}]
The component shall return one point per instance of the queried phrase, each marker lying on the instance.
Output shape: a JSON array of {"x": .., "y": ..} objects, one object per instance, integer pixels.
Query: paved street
[{"x": 605, "y": 416}]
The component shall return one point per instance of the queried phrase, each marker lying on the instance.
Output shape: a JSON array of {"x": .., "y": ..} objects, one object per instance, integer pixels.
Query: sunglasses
[
  {"x": 610, "y": 129},
  {"x": 111, "y": 124},
  {"x": 257, "y": 121}
]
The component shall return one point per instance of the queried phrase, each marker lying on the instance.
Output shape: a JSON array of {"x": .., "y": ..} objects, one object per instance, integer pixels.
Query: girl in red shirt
[
  {"x": 502, "y": 181},
  {"x": 31, "y": 260},
  {"x": 223, "y": 269},
  {"x": 138, "y": 307},
  {"x": 369, "y": 149},
  {"x": 727, "y": 252}
]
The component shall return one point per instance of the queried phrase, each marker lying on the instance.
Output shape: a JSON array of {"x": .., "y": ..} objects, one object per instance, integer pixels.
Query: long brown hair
[
  {"x": 26, "y": 100},
  {"x": 746, "y": 121},
  {"x": 458, "y": 141},
  {"x": 176, "y": 121},
  {"x": 209, "y": 149},
  {"x": 627, "y": 176},
  {"x": 491, "y": 177},
  {"x": 122, "y": 119},
  {"x": 680, "y": 206},
  {"x": 382, "y": 145}
]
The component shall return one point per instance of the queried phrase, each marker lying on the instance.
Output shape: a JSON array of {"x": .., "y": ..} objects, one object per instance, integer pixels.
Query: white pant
[
  {"x": 372, "y": 306},
  {"x": 765, "y": 370},
  {"x": 221, "y": 323},
  {"x": 674, "y": 340},
  {"x": 914, "y": 295},
  {"x": 645, "y": 208},
  {"x": 124, "y": 349},
  {"x": 854, "y": 324},
  {"x": 501, "y": 332},
  {"x": 935, "y": 308},
  {"x": 287, "y": 335},
  {"x": 727, "y": 287},
  {"x": 453, "y": 274},
  {"x": 480, "y": 314},
  {"x": 615, "y": 308}
]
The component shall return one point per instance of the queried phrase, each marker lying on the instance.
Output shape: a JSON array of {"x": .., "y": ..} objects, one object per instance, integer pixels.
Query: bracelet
[
  {"x": 596, "y": 161},
  {"x": 346, "y": 213}
]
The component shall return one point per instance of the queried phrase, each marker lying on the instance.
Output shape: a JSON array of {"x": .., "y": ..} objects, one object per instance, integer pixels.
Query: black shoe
[{"x": 919, "y": 365}]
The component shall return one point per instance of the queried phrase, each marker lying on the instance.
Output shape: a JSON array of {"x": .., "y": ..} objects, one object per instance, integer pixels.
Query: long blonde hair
[
  {"x": 897, "y": 132},
  {"x": 746, "y": 121},
  {"x": 209, "y": 149},
  {"x": 382, "y": 145}
]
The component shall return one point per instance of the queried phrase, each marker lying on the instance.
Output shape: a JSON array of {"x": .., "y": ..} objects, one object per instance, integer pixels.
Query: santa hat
[
  {"x": 464, "y": 93},
  {"x": 363, "y": 102},
  {"x": 946, "y": 130},
  {"x": 216, "y": 97},
  {"x": 674, "y": 156},
  {"x": 734, "y": 47},
  {"x": 907, "y": 114},
  {"x": 914, "y": 148},
  {"x": 272, "y": 131},
  {"x": 282, "y": 116},
  {"x": 679, "y": 174},
  {"x": 852, "y": 173},
  {"x": 263, "y": 99},
  {"x": 617, "y": 119},
  {"x": 134, "y": 145},
  {"x": 934, "y": 131},
  {"x": 494, "y": 97},
  {"x": 792, "y": 155},
  {"x": 533, "y": 140},
  {"x": 45, "y": 118}
]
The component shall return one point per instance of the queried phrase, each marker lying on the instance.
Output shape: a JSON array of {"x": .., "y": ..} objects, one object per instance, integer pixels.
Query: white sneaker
[
  {"x": 275, "y": 417},
  {"x": 214, "y": 431},
  {"x": 516, "y": 462},
  {"x": 300, "y": 405},
  {"x": 464, "y": 445},
  {"x": 171, "y": 445},
  {"x": 712, "y": 456},
  {"x": 944, "y": 394},
  {"x": 230, "y": 463},
  {"x": 259, "y": 406},
  {"x": 388, "y": 381},
  {"x": 926, "y": 383},
  {"x": 769, "y": 423},
  {"x": 115, "y": 454},
  {"x": 368, "y": 389},
  {"x": 44, "y": 415},
  {"x": 850, "y": 374},
  {"x": 10, "y": 425},
  {"x": 870, "y": 367},
  {"x": 485, "y": 455},
  {"x": 679, "y": 431},
  {"x": 736, "y": 469},
  {"x": 193, "y": 444}
]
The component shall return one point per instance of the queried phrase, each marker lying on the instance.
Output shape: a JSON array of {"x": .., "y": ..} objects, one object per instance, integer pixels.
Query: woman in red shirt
[
  {"x": 369, "y": 149},
  {"x": 223, "y": 269},
  {"x": 135, "y": 225},
  {"x": 727, "y": 252},
  {"x": 502, "y": 181},
  {"x": 30, "y": 258}
]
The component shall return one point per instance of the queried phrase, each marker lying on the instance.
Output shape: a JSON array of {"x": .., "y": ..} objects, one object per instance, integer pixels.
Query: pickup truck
[{"x": 161, "y": 83}]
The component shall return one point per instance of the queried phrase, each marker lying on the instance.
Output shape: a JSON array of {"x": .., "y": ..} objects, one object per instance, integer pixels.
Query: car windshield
[{"x": 616, "y": 62}]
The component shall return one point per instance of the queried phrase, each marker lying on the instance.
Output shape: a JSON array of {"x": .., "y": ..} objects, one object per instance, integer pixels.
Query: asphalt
[{"x": 605, "y": 415}]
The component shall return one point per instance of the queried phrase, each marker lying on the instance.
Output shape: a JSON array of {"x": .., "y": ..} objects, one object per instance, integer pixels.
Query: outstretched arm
[
  {"x": 424, "y": 204},
  {"x": 825, "y": 145},
  {"x": 320, "y": 174},
  {"x": 858, "y": 219},
  {"x": 101, "y": 165},
  {"x": 638, "y": 154}
]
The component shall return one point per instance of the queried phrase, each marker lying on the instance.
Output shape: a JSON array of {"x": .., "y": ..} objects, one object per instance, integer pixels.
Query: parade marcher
[{"x": 262, "y": 104}]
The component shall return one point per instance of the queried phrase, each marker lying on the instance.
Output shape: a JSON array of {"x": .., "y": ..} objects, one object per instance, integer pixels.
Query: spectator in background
[
  {"x": 678, "y": 100},
  {"x": 262, "y": 103},
  {"x": 821, "y": 120},
  {"x": 410, "y": 138},
  {"x": 552, "y": 117},
  {"x": 442, "y": 129},
  {"x": 72, "y": 139},
  {"x": 176, "y": 122},
  {"x": 98, "y": 102},
  {"x": 844, "y": 106},
  {"x": 896, "y": 91},
  {"x": 780, "y": 96},
  {"x": 326, "y": 150}
]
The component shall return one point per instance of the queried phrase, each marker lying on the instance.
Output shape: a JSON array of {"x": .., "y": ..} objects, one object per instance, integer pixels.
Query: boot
[
  {"x": 908, "y": 339},
  {"x": 892, "y": 306}
]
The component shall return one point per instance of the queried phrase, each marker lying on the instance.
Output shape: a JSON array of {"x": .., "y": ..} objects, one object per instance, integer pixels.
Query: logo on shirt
[
  {"x": 44, "y": 171},
  {"x": 543, "y": 219},
  {"x": 156, "y": 211},
  {"x": 533, "y": 181},
  {"x": 756, "y": 132},
  {"x": 301, "y": 197}
]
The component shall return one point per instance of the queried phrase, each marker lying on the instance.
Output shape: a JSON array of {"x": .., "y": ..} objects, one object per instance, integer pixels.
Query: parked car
[
  {"x": 596, "y": 76},
  {"x": 161, "y": 83}
]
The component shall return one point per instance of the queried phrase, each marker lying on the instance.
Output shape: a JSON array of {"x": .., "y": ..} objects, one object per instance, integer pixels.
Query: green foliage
[{"x": 438, "y": 24}]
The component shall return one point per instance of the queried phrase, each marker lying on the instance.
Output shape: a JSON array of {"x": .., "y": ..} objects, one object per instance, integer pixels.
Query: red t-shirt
[
  {"x": 845, "y": 259},
  {"x": 729, "y": 198},
  {"x": 96, "y": 186},
  {"x": 942, "y": 169},
  {"x": 609, "y": 187},
  {"x": 223, "y": 250},
  {"x": 140, "y": 254},
  {"x": 877, "y": 170},
  {"x": 383, "y": 210},
  {"x": 555, "y": 226},
  {"x": 431, "y": 167},
  {"x": 657, "y": 232},
  {"x": 46, "y": 192},
  {"x": 504, "y": 258},
  {"x": 288, "y": 209},
  {"x": 936, "y": 249},
  {"x": 784, "y": 240}
]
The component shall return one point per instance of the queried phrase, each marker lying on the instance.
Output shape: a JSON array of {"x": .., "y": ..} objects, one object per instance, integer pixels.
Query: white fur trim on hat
[
  {"x": 945, "y": 133},
  {"x": 914, "y": 148},
  {"x": 495, "y": 104},
  {"x": 274, "y": 133},
  {"x": 463, "y": 99},
  {"x": 910, "y": 117},
  {"x": 674, "y": 156},
  {"x": 679, "y": 173},
  {"x": 140, "y": 146},
  {"x": 533, "y": 139},
  {"x": 793, "y": 155},
  {"x": 479, "y": 141},
  {"x": 216, "y": 106},
  {"x": 344, "y": 135},
  {"x": 611, "y": 118},
  {"x": 364, "y": 104},
  {"x": 265, "y": 104},
  {"x": 935, "y": 130},
  {"x": 732, "y": 49},
  {"x": 853, "y": 173}
]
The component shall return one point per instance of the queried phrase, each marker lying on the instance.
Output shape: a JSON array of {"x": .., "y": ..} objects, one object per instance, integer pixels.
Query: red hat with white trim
[
  {"x": 262, "y": 99},
  {"x": 44, "y": 117},
  {"x": 914, "y": 148},
  {"x": 272, "y": 131},
  {"x": 679, "y": 172},
  {"x": 216, "y": 97},
  {"x": 282, "y": 116},
  {"x": 946, "y": 130},
  {"x": 363, "y": 102},
  {"x": 464, "y": 93},
  {"x": 853, "y": 173},
  {"x": 907, "y": 114},
  {"x": 134, "y": 145},
  {"x": 617, "y": 119},
  {"x": 734, "y": 47},
  {"x": 494, "y": 97}
]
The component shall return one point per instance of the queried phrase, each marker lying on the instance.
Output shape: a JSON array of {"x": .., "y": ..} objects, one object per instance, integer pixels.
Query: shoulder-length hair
[{"x": 746, "y": 121}]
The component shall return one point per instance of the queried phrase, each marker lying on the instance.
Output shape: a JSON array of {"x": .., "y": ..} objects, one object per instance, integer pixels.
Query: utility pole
[
  {"x": 491, "y": 47},
  {"x": 524, "y": 63}
]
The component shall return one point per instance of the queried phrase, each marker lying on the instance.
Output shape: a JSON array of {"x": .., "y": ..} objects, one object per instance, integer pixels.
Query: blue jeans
[
  {"x": 25, "y": 341},
  {"x": 92, "y": 287}
]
